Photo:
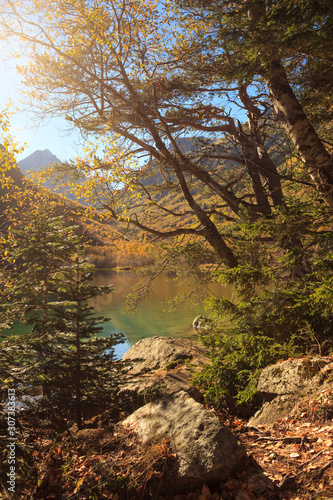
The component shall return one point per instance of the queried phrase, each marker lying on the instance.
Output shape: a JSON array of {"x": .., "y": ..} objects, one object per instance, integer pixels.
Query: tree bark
[
  {"x": 210, "y": 231},
  {"x": 261, "y": 160},
  {"x": 317, "y": 161}
]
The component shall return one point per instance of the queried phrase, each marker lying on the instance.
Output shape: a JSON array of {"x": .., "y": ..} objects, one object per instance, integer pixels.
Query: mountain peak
[{"x": 37, "y": 161}]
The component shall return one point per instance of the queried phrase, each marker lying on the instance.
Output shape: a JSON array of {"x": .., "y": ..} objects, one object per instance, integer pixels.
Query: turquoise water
[{"x": 151, "y": 317}]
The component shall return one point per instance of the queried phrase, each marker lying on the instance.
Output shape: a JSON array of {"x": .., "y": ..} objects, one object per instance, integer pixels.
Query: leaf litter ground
[{"x": 292, "y": 459}]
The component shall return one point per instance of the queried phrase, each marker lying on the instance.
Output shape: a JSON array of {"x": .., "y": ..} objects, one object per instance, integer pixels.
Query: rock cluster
[
  {"x": 169, "y": 408},
  {"x": 207, "y": 452}
]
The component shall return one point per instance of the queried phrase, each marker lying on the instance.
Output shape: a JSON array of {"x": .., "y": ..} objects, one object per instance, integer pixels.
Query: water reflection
[{"x": 151, "y": 317}]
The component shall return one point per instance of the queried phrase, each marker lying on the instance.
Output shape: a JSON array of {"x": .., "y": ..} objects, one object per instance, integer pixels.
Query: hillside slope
[{"x": 89, "y": 226}]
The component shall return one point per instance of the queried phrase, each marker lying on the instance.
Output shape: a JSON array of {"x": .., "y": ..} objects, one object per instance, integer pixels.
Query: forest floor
[{"x": 292, "y": 459}]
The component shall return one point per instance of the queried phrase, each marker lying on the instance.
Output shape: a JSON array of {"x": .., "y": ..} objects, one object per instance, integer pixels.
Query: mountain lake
[{"x": 151, "y": 317}]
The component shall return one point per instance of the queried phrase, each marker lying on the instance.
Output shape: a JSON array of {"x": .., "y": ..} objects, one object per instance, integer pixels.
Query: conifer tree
[
  {"x": 89, "y": 371},
  {"x": 48, "y": 286}
]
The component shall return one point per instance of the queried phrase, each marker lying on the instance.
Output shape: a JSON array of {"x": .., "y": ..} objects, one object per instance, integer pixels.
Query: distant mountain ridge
[
  {"x": 37, "y": 161},
  {"x": 92, "y": 232}
]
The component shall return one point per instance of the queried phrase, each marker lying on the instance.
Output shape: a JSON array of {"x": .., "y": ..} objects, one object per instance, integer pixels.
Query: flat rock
[
  {"x": 207, "y": 452},
  {"x": 149, "y": 386},
  {"x": 158, "y": 352},
  {"x": 159, "y": 369}
]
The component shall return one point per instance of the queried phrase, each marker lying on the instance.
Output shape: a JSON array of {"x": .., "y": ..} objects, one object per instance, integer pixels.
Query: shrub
[{"x": 282, "y": 305}]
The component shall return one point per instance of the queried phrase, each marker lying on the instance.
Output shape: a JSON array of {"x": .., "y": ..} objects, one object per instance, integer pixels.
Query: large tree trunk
[{"x": 317, "y": 161}]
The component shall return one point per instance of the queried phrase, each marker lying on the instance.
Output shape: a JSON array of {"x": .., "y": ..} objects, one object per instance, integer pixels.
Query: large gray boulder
[
  {"x": 207, "y": 452},
  {"x": 293, "y": 376}
]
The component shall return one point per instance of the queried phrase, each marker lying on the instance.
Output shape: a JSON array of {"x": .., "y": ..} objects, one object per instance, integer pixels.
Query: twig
[
  {"x": 288, "y": 439},
  {"x": 311, "y": 459},
  {"x": 249, "y": 428},
  {"x": 321, "y": 471},
  {"x": 267, "y": 438}
]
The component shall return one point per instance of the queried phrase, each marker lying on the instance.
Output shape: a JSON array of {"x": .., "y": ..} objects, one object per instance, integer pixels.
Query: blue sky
[{"x": 48, "y": 135}]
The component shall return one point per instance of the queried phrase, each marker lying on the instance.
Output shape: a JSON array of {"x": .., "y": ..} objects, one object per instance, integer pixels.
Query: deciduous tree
[
  {"x": 160, "y": 91},
  {"x": 119, "y": 70}
]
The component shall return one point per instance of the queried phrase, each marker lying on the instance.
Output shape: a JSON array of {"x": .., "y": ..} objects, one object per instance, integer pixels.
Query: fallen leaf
[
  {"x": 107, "y": 494},
  {"x": 78, "y": 484}
]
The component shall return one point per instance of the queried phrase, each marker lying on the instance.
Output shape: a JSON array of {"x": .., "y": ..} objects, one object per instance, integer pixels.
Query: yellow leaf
[{"x": 78, "y": 484}]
